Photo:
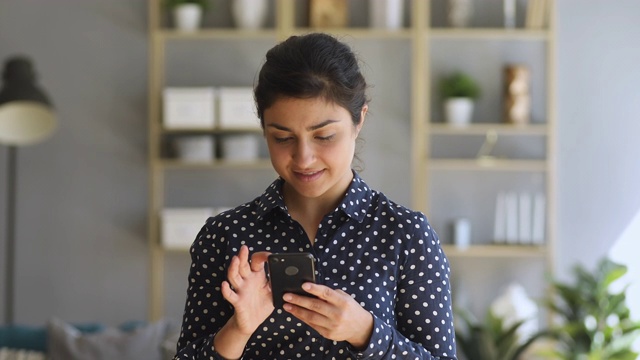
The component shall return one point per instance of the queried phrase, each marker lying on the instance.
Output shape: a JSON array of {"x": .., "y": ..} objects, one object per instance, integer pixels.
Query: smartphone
[{"x": 287, "y": 272}]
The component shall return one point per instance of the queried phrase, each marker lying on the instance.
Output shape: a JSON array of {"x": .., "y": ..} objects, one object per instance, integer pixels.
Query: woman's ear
[{"x": 363, "y": 114}]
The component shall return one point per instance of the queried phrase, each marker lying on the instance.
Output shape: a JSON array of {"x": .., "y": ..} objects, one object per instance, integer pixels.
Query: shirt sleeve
[
  {"x": 424, "y": 328},
  {"x": 206, "y": 311}
]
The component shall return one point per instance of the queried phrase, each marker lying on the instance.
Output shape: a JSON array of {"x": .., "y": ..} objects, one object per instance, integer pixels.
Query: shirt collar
[{"x": 355, "y": 203}]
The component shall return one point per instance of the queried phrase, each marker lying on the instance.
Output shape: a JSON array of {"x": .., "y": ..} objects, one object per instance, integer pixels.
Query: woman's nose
[{"x": 304, "y": 154}]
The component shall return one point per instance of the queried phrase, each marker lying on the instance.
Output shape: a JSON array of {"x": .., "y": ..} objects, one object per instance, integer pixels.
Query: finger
[
  {"x": 322, "y": 292},
  {"x": 243, "y": 256},
  {"x": 258, "y": 259},
  {"x": 229, "y": 294},
  {"x": 233, "y": 274},
  {"x": 308, "y": 310}
]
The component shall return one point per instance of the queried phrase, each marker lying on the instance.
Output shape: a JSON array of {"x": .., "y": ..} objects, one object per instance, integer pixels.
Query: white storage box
[
  {"x": 195, "y": 148},
  {"x": 237, "y": 108},
  {"x": 189, "y": 108},
  {"x": 240, "y": 147},
  {"x": 180, "y": 226}
]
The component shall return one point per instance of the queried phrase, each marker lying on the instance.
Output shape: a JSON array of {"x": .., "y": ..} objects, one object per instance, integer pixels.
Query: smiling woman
[{"x": 382, "y": 280}]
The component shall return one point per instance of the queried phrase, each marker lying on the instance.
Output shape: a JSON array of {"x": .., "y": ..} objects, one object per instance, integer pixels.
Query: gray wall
[{"x": 82, "y": 196}]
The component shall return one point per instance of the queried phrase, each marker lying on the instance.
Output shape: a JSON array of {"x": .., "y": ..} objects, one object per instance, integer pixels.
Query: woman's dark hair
[{"x": 309, "y": 66}]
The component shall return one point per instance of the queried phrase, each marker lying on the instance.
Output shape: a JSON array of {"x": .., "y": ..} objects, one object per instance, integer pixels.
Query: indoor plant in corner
[
  {"x": 459, "y": 91},
  {"x": 491, "y": 340},
  {"x": 594, "y": 322},
  {"x": 187, "y": 14}
]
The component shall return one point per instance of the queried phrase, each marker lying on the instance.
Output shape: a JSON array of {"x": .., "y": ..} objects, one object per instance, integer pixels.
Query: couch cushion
[
  {"x": 12, "y": 354},
  {"x": 35, "y": 337},
  {"x": 143, "y": 343}
]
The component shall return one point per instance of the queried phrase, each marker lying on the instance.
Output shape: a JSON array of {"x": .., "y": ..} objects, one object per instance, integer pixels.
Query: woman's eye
[
  {"x": 326, "y": 138},
  {"x": 282, "y": 139}
]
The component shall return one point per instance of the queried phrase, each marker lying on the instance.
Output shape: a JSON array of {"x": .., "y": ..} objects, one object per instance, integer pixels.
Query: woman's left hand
[{"x": 334, "y": 314}]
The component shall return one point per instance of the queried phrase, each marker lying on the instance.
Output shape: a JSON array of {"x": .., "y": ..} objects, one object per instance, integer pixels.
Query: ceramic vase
[
  {"x": 249, "y": 14},
  {"x": 187, "y": 17},
  {"x": 459, "y": 12},
  {"x": 386, "y": 14}
]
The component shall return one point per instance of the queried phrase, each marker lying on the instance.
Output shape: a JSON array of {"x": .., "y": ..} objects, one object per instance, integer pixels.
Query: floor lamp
[{"x": 26, "y": 117}]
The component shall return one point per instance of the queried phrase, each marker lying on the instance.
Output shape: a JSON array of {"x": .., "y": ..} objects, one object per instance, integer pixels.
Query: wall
[
  {"x": 599, "y": 122},
  {"x": 83, "y": 193}
]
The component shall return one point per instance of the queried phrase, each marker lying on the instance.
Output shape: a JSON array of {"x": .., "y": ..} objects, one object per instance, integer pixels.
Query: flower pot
[
  {"x": 458, "y": 111},
  {"x": 187, "y": 17},
  {"x": 249, "y": 14},
  {"x": 386, "y": 14}
]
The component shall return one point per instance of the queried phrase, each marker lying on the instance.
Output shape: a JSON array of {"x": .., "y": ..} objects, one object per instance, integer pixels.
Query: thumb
[{"x": 258, "y": 259}]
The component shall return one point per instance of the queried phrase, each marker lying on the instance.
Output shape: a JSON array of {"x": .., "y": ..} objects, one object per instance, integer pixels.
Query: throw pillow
[
  {"x": 12, "y": 354},
  {"x": 143, "y": 343}
]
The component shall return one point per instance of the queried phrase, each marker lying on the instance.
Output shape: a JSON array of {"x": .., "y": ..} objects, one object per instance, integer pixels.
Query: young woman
[{"x": 382, "y": 281}]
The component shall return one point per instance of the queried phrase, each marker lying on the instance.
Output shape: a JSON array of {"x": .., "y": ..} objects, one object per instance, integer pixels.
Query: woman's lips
[{"x": 308, "y": 176}]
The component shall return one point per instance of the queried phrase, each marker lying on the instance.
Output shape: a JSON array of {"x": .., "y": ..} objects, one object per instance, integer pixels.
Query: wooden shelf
[
  {"x": 482, "y": 129},
  {"x": 419, "y": 40},
  {"x": 169, "y": 164},
  {"x": 212, "y": 131},
  {"x": 360, "y": 33},
  {"x": 210, "y": 34},
  {"x": 488, "y": 34},
  {"x": 487, "y": 165},
  {"x": 496, "y": 251}
]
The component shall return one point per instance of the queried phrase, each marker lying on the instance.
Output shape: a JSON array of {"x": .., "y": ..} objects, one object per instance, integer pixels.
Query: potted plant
[
  {"x": 187, "y": 14},
  {"x": 459, "y": 92},
  {"x": 491, "y": 340},
  {"x": 594, "y": 323}
]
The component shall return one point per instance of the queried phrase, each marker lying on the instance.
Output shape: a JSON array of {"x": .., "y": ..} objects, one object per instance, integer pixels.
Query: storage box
[
  {"x": 189, "y": 108},
  {"x": 180, "y": 226},
  {"x": 195, "y": 148},
  {"x": 240, "y": 147},
  {"x": 237, "y": 108}
]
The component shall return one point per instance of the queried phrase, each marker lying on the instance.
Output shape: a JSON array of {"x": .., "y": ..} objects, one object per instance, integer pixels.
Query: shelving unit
[
  {"x": 438, "y": 173},
  {"x": 425, "y": 42}
]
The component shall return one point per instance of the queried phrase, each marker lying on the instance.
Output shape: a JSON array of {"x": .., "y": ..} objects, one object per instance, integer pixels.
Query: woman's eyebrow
[{"x": 312, "y": 127}]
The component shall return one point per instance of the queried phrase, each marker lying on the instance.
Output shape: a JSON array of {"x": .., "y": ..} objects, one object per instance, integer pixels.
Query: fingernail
[
  {"x": 287, "y": 307},
  {"x": 306, "y": 286},
  {"x": 287, "y": 297}
]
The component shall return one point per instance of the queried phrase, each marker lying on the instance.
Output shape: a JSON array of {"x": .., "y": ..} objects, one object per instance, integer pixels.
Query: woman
[{"x": 382, "y": 281}]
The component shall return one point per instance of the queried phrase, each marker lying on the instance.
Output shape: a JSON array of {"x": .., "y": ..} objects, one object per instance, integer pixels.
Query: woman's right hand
[{"x": 248, "y": 290}]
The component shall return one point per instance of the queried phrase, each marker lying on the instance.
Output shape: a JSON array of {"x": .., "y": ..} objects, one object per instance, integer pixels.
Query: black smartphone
[{"x": 287, "y": 272}]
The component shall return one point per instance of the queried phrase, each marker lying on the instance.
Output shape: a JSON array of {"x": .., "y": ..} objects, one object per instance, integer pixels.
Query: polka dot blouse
[{"x": 386, "y": 256}]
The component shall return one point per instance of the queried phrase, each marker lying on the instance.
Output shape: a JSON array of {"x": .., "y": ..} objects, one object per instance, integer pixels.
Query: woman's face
[{"x": 311, "y": 143}]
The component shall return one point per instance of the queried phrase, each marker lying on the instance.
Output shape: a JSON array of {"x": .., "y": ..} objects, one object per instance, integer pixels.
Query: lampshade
[{"x": 26, "y": 115}]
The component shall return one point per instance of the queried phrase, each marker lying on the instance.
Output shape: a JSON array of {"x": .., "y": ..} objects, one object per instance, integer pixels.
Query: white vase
[
  {"x": 386, "y": 14},
  {"x": 458, "y": 111},
  {"x": 459, "y": 12},
  {"x": 187, "y": 17},
  {"x": 249, "y": 14}
]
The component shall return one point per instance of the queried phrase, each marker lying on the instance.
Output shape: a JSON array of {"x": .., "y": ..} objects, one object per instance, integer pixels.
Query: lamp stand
[{"x": 10, "y": 238}]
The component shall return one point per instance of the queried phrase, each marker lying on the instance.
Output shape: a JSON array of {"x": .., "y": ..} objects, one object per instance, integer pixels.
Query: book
[
  {"x": 538, "y": 219},
  {"x": 499, "y": 222},
  {"x": 511, "y": 210},
  {"x": 524, "y": 218}
]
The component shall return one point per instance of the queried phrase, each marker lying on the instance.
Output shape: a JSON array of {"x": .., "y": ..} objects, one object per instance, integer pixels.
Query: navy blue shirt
[{"x": 384, "y": 255}]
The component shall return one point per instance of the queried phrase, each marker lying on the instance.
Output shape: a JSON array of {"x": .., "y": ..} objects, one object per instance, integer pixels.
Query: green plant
[
  {"x": 459, "y": 84},
  {"x": 594, "y": 322},
  {"x": 490, "y": 341},
  {"x": 170, "y": 4}
]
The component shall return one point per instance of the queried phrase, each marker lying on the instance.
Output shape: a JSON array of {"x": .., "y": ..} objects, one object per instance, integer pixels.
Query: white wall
[{"x": 598, "y": 126}]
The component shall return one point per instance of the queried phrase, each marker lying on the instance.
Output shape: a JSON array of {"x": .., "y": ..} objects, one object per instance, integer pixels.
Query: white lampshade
[
  {"x": 25, "y": 123},
  {"x": 26, "y": 115}
]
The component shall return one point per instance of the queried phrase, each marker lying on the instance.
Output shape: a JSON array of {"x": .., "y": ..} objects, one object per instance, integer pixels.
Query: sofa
[{"x": 59, "y": 340}]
